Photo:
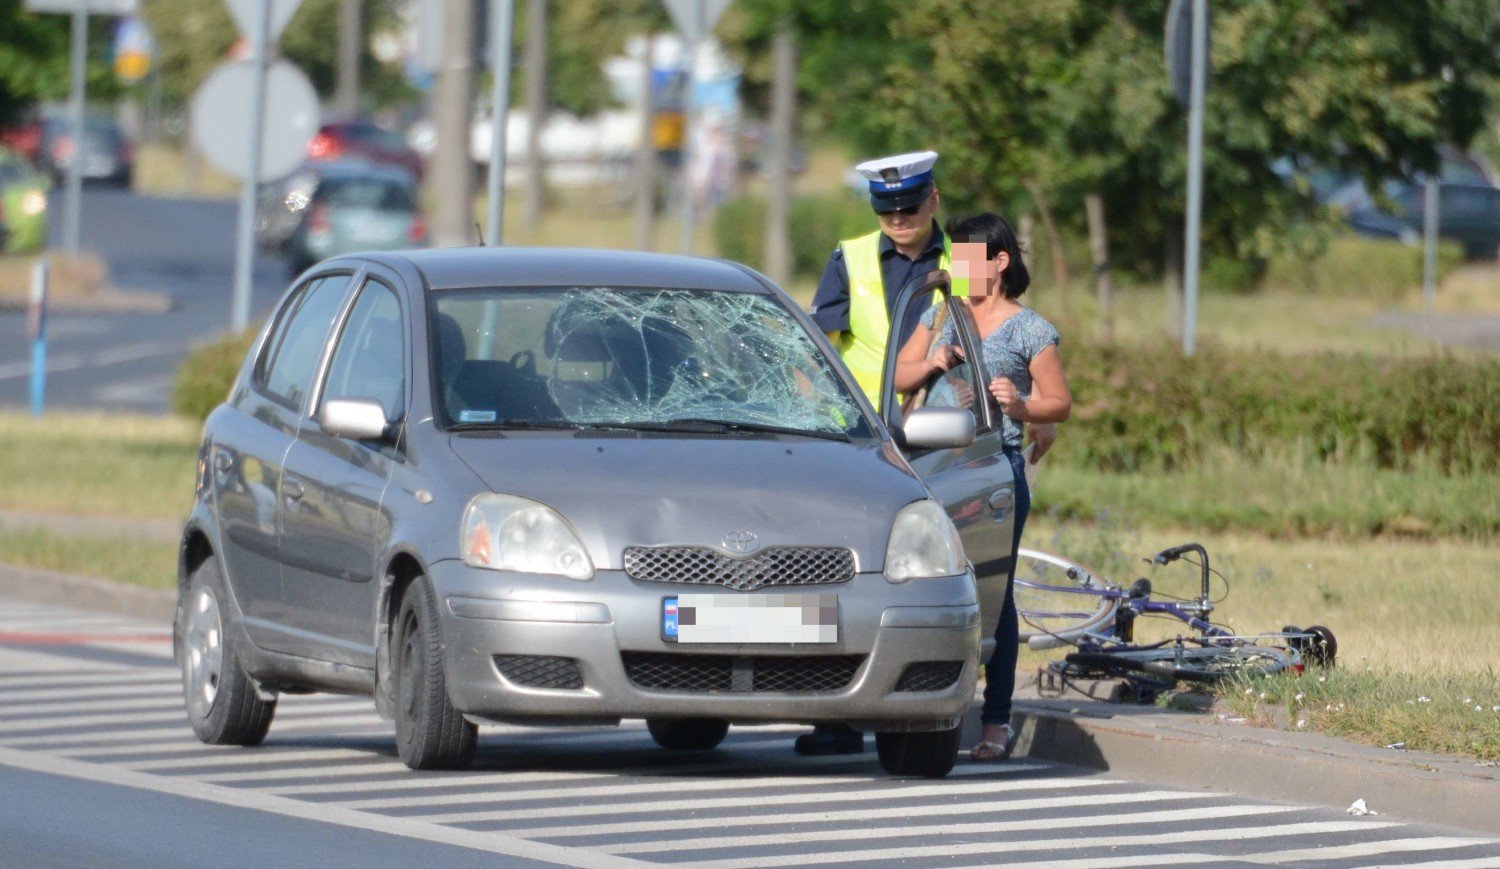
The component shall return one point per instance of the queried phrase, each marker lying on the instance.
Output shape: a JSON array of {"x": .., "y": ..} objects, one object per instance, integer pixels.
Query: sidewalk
[{"x": 1187, "y": 749}]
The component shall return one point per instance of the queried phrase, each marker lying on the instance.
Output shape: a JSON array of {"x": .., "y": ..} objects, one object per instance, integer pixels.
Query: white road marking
[
  {"x": 1174, "y": 860},
  {"x": 952, "y": 829},
  {"x": 1366, "y": 849},
  {"x": 346, "y": 712},
  {"x": 1015, "y": 846},
  {"x": 355, "y": 759},
  {"x": 341, "y": 725},
  {"x": 1474, "y": 863},
  {"x": 100, "y": 359},
  {"x": 574, "y": 813},
  {"x": 493, "y": 843},
  {"x": 102, "y": 679}
]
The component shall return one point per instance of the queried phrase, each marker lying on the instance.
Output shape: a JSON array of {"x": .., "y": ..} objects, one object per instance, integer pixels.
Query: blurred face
[
  {"x": 910, "y": 226},
  {"x": 970, "y": 261}
]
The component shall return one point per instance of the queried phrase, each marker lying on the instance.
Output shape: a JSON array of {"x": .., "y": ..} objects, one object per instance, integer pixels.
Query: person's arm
[
  {"x": 1050, "y": 399},
  {"x": 915, "y": 367},
  {"x": 1043, "y": 436},
  {"x": 830, "y": 305}
]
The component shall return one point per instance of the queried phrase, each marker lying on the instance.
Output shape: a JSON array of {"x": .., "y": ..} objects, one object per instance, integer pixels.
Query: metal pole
[
  {"x": 1195, "y": 177},
  {"x": 502, "y": 21},
  {"x": 536, "y": 110},
  {"x": 451, "y": 177},
  {"x": 690, "y": 128},
  {"x": 645, "y": 155},
  {"x": 38, "y": 329},
  {"x": 778, "y": 258},
  {"x": 244, "y": 245},
  {"x": 346, "y": 82},
  {"x": 1430, "y": 215},
  {"x": 80, "y": 47}
]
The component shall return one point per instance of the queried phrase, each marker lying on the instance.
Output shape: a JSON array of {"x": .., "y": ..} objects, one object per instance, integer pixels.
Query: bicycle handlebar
[{"x": 1171, "y": 554}]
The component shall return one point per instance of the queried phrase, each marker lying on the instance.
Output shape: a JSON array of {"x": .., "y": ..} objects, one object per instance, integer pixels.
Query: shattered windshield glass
[{"x": 646, "y": 358}]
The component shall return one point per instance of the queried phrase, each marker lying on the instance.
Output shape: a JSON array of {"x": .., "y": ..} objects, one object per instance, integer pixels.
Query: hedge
[{"x": 204, "y": 377}]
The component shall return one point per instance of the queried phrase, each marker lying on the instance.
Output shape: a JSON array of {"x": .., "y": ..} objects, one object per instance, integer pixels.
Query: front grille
[
  {"x": 930, "y": 676},
  {"x": 781, "y": 565},
  {"x": 540, "y": 671},
  {"x": 741, "y": 673}
]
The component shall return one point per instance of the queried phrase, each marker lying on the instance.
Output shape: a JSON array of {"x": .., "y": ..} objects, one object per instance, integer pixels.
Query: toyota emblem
[{"x": 741, "y": 542}]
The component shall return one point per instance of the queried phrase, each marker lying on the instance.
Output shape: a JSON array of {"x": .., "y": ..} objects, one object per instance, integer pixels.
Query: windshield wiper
[
  {"x": 518, "y": 425},
  {"x": 725, "y": 425}
]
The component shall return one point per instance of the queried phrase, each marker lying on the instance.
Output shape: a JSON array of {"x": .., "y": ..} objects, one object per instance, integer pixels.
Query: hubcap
[
  {"x": 203, "y": 659},
  {"x": 411, "y": 662}
]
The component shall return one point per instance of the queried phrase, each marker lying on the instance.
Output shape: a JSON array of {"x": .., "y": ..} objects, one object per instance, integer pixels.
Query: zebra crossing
[{"x": 104, "y": 695}]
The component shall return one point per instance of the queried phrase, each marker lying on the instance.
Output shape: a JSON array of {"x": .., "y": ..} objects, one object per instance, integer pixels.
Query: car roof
[{"x": 455, "y": 268}]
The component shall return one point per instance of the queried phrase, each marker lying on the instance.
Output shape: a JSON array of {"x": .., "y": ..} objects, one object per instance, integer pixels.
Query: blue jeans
[{"x": 1000, "y": 672}]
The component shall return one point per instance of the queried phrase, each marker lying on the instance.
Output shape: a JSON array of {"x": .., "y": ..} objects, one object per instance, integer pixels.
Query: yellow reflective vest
[{"x": 863, "y": 344}]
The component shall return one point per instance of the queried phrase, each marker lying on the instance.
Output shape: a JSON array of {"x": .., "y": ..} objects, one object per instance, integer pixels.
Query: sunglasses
[{"x": 909, "y": 211}]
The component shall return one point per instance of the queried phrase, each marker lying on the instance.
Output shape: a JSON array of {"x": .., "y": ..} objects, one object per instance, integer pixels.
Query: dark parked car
[
  {"x": 344, "y": 207},
  {"x": 365, "y": 140},
  {"x": 574, "y": 486},
  {"x": 106, "y": 155},
  {"x": 1468, "y": 207}
]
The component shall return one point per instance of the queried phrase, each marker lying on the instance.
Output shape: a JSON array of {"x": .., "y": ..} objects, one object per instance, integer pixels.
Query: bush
[
  {"x": 1148, "y": 407},
  {"x": 815, "y": 224},
  {"x": 1357, "y": 266},
  {"x": 203, "y": 379}
]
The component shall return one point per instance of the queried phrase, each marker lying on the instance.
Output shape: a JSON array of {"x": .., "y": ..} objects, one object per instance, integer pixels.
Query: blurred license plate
[{"x": 751, "y": 618}]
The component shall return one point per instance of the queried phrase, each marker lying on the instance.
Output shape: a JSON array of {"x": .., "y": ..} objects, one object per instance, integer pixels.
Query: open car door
[{"x": 974, "y": 483}]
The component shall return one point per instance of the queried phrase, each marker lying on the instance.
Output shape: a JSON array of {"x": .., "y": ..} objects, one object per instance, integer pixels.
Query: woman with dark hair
[{"x": 1028, "y": 386}]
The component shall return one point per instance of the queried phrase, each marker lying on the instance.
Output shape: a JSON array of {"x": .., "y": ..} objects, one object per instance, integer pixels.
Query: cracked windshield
[{"x": 639, "y": 358}]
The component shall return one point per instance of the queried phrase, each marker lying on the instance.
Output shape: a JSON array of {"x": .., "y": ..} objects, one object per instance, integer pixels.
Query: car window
[
  {"x": 959, "y": 385},
  {"x": 368, "y": 361},
  {"x": 286, "y": 366},
  {"x": 367, "y": 193},
  {"x": 633, "y": 356}
]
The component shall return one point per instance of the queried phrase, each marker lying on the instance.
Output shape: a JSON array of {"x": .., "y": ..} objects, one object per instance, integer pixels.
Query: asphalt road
[
  {"x": 181, "y": 248},
  {"x": 99, "y": 767}
]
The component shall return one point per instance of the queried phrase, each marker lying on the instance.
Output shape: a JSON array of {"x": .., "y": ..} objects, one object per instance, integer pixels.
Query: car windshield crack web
[{"x": 656, "y": 357}]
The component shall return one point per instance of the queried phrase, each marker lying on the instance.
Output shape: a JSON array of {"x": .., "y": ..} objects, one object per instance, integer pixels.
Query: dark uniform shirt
[{"x": 830, "y": 307}]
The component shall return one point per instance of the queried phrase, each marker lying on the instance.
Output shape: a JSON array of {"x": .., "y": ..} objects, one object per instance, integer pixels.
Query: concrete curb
[
  {"x": 82, "y": 592},
  {"x": 1199, "y": 751},
  {"x": 1185, "y": 749}
]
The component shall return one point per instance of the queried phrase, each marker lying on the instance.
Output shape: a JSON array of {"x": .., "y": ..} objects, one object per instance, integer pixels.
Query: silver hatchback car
[{"x": 571, "y": 487}]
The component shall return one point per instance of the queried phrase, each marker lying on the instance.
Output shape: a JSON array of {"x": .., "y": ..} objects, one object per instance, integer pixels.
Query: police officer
[
  {"x": 853, "y": 306},
  {"x": 864, "y": 274}
]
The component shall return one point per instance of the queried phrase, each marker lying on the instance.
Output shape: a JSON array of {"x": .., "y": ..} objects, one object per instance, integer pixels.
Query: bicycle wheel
[
  {"x": 1058, "y": 600},
  {"x": 1207, "y": 664}
]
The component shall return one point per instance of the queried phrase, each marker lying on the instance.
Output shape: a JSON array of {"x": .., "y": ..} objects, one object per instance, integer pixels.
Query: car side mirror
[
  {"x": 360, "y": 419},
  {"x": 938, "y": 428}
]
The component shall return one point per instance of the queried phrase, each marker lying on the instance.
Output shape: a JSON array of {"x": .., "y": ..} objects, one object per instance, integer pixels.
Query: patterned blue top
[{"x": 1008, "y": 352}]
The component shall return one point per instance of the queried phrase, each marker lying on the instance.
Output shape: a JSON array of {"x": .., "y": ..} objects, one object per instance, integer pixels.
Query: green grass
[
  {"x": 1287, "y": 496},
  {"x": 131, "y": 559},
  {"x": 98, "y": 465}
]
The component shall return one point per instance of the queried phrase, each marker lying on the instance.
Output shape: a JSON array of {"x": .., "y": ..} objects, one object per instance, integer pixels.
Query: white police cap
[{"x": 900, "y": 181}]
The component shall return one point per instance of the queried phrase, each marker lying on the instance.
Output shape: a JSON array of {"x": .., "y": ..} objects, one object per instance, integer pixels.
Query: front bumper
[{"x": 885, "y": 627}]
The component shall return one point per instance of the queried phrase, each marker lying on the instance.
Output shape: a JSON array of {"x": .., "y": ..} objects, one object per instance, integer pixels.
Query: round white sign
[{"x": 222, "y": 123}]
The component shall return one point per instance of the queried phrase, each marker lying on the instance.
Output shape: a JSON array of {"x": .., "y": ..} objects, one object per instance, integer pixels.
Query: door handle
[
  {"x": 1002, "y": 499},
  {"x": 292, "y": 488},
  {"x": 222, "y": 461}
]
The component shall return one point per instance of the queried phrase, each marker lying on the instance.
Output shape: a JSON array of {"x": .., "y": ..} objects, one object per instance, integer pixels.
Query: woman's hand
[
  {"x": 1009, "y": 398},
  {"x": 1043, "y": 436},
  {"x": 946, "y": 357}
]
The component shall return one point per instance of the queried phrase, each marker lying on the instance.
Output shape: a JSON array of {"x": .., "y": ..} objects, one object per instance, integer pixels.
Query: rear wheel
[
  {"x": 1206, "y": 664},
  {"x": 1058, "y": 600},
  {"x": 688, "y": 734},
  {"x": 430, "y": 733},
  {"x": 221, "y": 702},
  {"x": 929, "y": 755}
]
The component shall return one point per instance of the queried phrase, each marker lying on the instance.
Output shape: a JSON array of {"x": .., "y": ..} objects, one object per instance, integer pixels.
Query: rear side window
[
  {"x": 368, "y": 361},
  {"x": 286, "y": 367}
]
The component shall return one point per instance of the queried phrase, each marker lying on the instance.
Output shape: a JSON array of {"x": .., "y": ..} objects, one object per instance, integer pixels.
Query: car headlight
[
  {"x": 923, "y": 544},
  {"x": 504, "y": 532},
  {"x": 34, "y": 202}
]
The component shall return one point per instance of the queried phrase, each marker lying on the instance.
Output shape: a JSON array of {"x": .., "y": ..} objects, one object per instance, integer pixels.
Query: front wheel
[
  {"x": 1205, "y": 664},
  {"x": 928, "y": 755},
  {"x": 430, "y": 733},
  {"x": 688, "y": 734},
  {"x": 221, "y": 702}
]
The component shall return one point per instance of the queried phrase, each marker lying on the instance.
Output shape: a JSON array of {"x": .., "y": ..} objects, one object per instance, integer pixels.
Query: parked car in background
[
  {"x": 24, "y": 137},
  {"x": 1468, "y": 207},
  {"x": 23, "y": 204},
  {"x": 354, "y": 206},
  {"x": 575, "y": 486},
  {"x": 106, "y": 154},
  {"x": 365, "y": 140}
]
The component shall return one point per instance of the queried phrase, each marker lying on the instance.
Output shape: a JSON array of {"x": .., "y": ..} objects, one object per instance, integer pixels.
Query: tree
[{"x": 34, "y": 59}]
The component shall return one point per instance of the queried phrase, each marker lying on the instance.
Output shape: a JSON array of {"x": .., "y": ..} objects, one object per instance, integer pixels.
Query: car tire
[
  {"x": 688, "y": 734},
  {"x": 220, "y": 699},
  {"x": 928, "y": 755},
  {"x": 430, "y": 733}
]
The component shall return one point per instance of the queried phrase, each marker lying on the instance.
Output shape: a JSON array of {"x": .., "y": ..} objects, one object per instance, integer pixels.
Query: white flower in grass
[
  {"x": 1478, "y": 708},
  {"x": 1424, "y": 699},
  {"x": 1322, "y": 678},
  {"x": 1301, "y": 722},
  {"x": 1299, "y": 696}
]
